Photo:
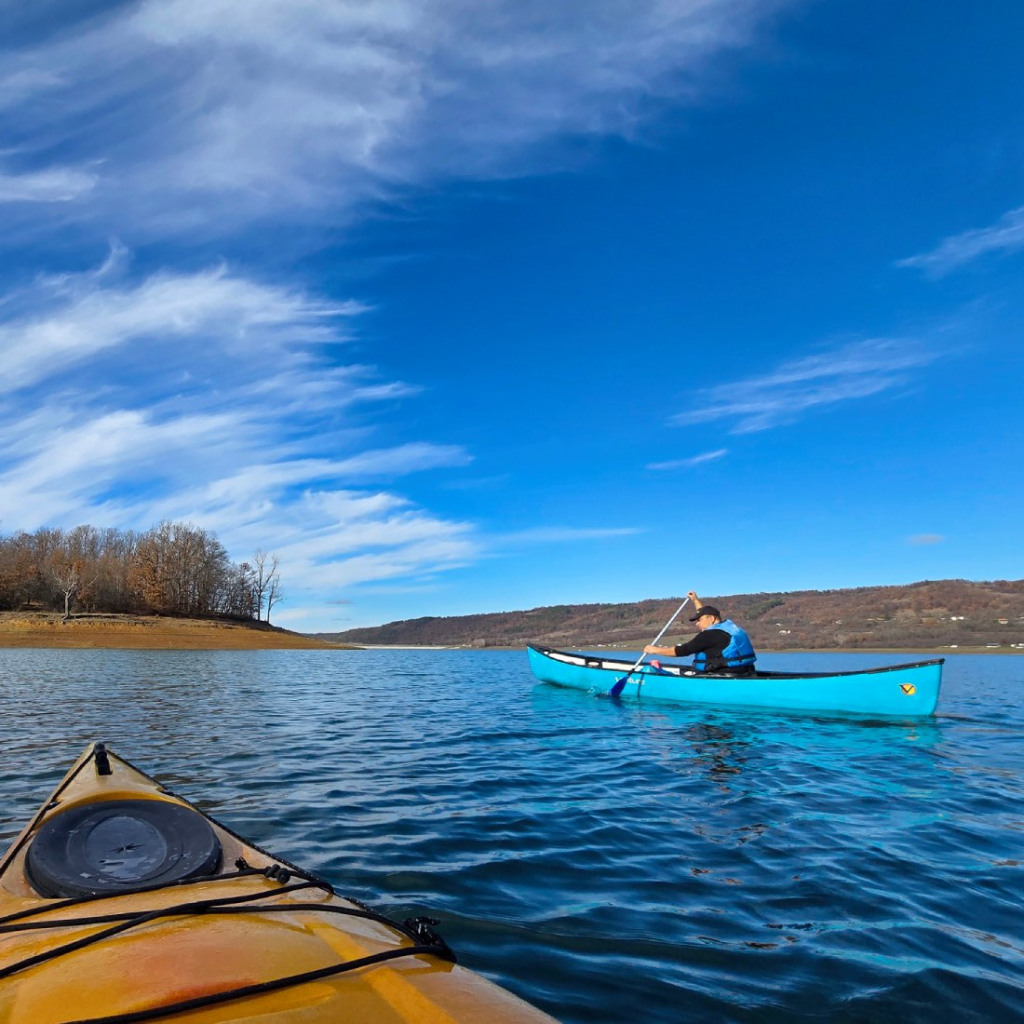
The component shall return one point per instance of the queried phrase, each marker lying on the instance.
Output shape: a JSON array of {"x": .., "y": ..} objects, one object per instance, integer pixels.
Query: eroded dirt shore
[{"x": 18, "y": 629}]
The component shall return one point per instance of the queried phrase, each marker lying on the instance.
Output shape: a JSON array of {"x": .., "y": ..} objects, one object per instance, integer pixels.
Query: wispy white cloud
[
  {"x": 312, "y": 106},
  {"x": 73, "y": 319},
  {"x": 56, "y": 465},
  {"x": 1006, "y": 235},
  {"x": 404, "y": 459},
  {"x": 694, "y": 460},
  {"x": 53, "y": 185},
  {"x": 560, "y": 534},
  {"x": 26, "y": 83},
  {"x": 924, "y": 539},
  {"x": 856, "y": 370}
]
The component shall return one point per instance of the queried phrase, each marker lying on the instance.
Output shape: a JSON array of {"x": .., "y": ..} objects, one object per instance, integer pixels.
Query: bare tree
[
  {"x": 266, "y": 583},
  {"x": 259, "y": 581},
  {"x": 274, "y": 593},
  {"x": 67, "y": 574}
]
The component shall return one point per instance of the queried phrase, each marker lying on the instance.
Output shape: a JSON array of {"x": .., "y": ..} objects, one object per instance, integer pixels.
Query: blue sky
[{"x": 475, "y": 306}]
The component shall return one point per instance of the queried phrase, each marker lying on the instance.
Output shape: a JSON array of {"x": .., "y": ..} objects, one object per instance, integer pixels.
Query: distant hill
[{"x": 919, "y": 615}]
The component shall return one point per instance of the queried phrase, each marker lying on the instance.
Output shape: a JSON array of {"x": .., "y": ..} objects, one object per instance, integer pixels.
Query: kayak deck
[{"x": 253, "y": 939}]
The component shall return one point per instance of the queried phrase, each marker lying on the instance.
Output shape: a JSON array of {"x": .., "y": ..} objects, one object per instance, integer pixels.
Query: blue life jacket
[{"x": 738, "y": 653}]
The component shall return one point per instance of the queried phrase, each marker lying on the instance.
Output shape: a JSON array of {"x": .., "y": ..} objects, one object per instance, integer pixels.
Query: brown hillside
[{"x": 919, "y": 615}]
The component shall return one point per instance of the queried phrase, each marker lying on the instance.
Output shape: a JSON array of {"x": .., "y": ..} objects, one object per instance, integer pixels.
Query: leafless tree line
[{"x": 172, "y": 569}]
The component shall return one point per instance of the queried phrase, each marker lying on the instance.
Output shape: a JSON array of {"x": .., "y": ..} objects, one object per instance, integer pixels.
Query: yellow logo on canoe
[{"x": 908, "y": 688}]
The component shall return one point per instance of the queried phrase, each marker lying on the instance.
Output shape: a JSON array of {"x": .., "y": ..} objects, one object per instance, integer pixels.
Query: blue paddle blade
[{"x": 618, "y": 686}]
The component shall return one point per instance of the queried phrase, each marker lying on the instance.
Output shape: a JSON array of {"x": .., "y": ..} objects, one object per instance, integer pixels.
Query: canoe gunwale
[{"x": 684, "y": 671}]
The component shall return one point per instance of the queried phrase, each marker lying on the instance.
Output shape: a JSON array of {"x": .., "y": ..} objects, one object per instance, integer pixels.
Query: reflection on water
[
  {"x": 715, "y": 749},
  {"x": 608, "y": 860}
]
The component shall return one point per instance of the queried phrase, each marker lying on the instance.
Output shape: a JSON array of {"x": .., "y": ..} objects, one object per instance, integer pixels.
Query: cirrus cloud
[
  {"x": 315, "y": 107},
  {"x": 1006, "y": 235},
  {"x": 856, "y": 370}
]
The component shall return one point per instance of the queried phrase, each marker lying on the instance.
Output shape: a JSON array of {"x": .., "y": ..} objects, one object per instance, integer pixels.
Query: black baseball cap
[{"x": 706, "y": 609}]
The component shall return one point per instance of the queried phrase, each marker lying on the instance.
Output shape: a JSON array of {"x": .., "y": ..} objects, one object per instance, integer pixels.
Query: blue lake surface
[{"x": 608, "y": 861}]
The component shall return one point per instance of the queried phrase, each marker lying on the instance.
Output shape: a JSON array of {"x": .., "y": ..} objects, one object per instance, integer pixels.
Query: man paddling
[{"x": 720, "y": 646}]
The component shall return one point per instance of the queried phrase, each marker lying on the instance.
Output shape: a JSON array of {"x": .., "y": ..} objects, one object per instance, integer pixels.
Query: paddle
[{"x": 620, "y": 684}]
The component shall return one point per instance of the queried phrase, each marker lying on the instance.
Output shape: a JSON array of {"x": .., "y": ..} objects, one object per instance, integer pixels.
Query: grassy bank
[{"x": 22, "y": 629}]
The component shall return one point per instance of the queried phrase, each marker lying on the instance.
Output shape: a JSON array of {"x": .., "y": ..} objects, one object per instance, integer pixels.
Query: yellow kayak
[{"x": 121, "y": 902}]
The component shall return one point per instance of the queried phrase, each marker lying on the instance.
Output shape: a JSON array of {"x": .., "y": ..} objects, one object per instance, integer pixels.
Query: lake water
[{"x": 608, "y": 861}]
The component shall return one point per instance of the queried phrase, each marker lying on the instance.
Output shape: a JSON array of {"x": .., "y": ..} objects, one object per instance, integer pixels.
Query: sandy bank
[{"x": 20, "y": 629}]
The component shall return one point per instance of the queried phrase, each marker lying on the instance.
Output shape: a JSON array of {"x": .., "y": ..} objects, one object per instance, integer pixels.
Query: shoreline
[
  {"x": 48, "y": 630},
  {"x": 937, "y": 652},
  {"x": 20, "y": 630}
]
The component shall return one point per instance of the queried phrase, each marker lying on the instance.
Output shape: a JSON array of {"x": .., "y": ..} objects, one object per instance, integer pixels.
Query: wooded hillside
[{"x": 919, "y": 615}]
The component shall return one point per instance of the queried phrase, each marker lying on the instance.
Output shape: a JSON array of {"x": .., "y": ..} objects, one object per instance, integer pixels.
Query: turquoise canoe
[{"x": 903, "y": 690}]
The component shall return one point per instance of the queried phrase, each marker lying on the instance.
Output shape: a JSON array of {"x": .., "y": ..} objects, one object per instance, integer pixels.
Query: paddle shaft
[{"x": 620, "y": 683}]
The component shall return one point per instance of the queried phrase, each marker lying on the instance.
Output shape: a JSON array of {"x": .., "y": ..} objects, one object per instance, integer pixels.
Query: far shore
[
  {"x": 634, "y": 648},
  {"x": 154, "y": 632}
]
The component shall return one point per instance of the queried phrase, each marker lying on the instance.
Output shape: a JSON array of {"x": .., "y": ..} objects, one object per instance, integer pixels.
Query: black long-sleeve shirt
[{"x": 713, "y": 642}]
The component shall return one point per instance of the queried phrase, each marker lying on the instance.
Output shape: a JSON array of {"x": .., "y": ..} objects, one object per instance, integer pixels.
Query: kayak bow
[{"x": 121, "y": 902}]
